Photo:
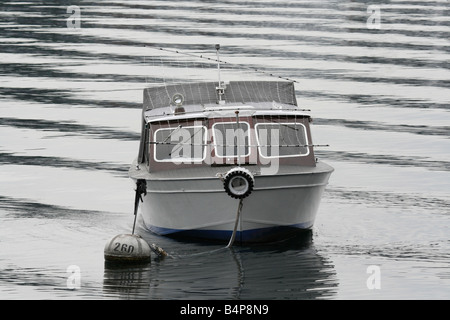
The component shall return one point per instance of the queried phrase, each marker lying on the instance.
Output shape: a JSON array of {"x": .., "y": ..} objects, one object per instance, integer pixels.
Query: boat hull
[{"x": 198, "y": 207}]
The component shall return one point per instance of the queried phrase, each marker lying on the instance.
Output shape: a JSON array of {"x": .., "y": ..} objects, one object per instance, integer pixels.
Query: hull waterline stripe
[{"x": 259, "y": 234}]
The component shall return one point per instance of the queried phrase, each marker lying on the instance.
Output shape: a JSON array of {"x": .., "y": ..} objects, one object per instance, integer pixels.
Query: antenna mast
[{"x": 220, "y": 89}]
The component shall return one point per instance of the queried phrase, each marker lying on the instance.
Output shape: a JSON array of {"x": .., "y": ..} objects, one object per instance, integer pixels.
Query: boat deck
[{"x": 211, "y": 172}]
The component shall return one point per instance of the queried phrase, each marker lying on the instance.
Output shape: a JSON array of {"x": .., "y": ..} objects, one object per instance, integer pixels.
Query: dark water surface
[{"x": 70, "y": 104}]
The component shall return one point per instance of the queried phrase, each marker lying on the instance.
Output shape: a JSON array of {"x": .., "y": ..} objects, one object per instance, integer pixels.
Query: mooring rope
[
  {"x": 141, "y": 189},
  {"x": 238, "y": 214}
]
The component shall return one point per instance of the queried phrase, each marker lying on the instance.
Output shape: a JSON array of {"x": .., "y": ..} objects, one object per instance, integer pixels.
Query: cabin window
[
  {"x": 229, "y": 136},
  {"x": 282, "y": 140},
  {"x": 180, "y": 144}
]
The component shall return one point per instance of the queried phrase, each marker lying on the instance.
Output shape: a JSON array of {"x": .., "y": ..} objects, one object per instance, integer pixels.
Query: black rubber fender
[{"x": 238, "y": 183}]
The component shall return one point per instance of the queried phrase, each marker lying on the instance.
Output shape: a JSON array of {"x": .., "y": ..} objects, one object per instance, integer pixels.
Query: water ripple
[
  {"x": 70, "y": 128},
  {"x": 373, "y": 125}
]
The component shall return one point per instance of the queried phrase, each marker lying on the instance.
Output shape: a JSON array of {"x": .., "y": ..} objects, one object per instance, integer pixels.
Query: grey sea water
[{"x": 375, "y": 74}]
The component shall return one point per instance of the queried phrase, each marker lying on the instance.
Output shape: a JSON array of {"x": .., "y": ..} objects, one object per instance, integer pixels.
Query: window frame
[
  {"x": 248, "y": 135},
  {"x": 183, "y": 160},
  {"x": 305, "y": 132}
]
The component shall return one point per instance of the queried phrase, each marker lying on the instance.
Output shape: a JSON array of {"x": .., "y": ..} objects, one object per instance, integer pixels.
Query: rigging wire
[{"x": 221, "y": 61}]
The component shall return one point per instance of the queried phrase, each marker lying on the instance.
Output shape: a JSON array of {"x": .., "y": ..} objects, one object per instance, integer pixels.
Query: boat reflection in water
[{"x": 296, "y": 271}]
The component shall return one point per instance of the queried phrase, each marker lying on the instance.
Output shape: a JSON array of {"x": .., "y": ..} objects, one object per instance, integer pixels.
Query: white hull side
[{"x": 200, "y": 207}]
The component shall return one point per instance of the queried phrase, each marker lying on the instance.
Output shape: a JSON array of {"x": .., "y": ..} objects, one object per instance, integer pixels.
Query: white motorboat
[{"x": 228, "y": 161}]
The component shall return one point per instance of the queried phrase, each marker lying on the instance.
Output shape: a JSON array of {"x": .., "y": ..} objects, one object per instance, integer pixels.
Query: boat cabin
[{"x": 246, "y": 123}]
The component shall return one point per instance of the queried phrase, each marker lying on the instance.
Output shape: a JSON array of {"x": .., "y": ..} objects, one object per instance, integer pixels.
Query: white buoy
[
  {"x": 127, "y": 248},
  {"x": 132, "y": 247}
]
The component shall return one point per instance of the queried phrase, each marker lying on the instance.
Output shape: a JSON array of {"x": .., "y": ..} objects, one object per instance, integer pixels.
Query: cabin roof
[
  {"x": 204, "y": 93},
  {"x": 200, "y": 100},
  {"x": 257, "y": 109}
]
